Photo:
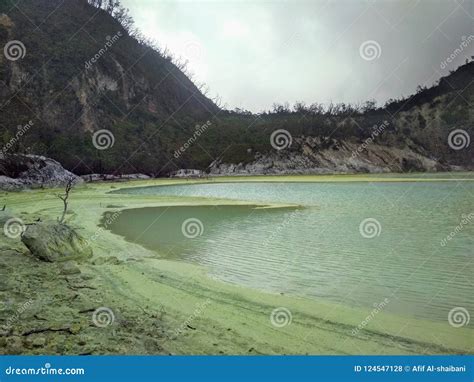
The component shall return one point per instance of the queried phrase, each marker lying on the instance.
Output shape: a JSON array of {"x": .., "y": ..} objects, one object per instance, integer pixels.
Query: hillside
[
  {"x": 428, "y": 131},
  {"x": 86, "y": 69},
  {"x": 130, "y": 89}
]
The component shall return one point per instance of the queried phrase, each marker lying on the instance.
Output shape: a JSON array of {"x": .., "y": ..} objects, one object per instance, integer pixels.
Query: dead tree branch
[{"x": 65, "y": 197}]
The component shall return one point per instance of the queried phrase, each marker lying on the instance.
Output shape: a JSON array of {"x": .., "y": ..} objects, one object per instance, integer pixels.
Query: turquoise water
[{"x": 321, "y": 250}]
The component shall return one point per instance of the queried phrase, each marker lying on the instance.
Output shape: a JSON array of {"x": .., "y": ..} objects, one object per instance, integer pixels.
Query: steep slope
[{"x": 82, "y": 72}]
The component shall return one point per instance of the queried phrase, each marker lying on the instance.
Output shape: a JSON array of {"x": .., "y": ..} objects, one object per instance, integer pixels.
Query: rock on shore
[
  {"x": 55, "y": 241},
  {"x": 20, "y": 171}
]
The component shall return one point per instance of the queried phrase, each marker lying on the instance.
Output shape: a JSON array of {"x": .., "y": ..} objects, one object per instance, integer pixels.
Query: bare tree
[
  {"x": 65, "y": 197},
  {"x": 217, "y": 100}
]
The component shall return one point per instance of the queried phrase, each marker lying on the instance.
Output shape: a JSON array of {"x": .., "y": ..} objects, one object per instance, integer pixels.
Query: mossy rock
[{"x": 54, "y": 242}]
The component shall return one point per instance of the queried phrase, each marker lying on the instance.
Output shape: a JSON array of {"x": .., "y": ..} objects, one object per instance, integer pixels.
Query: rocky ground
[
  {"x": 59, "y": 306},
  {"x": 21, "y": 171},
  {"x": 312, "y": 155}
]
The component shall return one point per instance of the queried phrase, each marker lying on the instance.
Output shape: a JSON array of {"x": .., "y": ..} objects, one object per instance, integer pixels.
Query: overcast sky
[{"x": 255, "y": 53}]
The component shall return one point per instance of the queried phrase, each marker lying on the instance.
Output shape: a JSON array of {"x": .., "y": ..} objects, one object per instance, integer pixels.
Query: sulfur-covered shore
[{"x": 130, "y": 300}]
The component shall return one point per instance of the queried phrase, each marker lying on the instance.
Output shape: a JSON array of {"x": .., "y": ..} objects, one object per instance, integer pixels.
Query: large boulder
[
  {"x": 53, "y": 241},
  {"x": 18, "y": 171},
  {"x": 10, "y": 184}
]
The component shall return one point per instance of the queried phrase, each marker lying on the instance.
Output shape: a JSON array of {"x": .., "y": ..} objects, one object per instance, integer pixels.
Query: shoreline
[{"x": 202, "y": 315}]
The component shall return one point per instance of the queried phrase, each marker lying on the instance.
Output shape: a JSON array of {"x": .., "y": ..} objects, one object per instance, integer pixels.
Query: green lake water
[{"x": 321, "y": 250}]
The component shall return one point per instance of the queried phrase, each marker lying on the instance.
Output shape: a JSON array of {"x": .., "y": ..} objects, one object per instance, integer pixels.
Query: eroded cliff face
[
  {"x": 430, "y": 131},
  {"x": 310, "y": 155}
]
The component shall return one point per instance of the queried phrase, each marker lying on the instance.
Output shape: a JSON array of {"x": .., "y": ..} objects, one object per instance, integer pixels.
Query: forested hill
[
  {"x": 81, "y": 72},
  {"x": 71, "y": 69}
]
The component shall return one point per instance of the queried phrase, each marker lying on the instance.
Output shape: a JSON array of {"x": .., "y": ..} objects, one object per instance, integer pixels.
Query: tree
[
  {"x": 300, "y": 107},
  {"x": 65, "y": 197},
  {"x": 369, "y": 106},
  {"x": 281, "y": 109}
]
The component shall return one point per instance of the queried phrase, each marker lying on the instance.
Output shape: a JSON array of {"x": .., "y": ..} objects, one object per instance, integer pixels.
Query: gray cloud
[{"x": 256, "y": 53}]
